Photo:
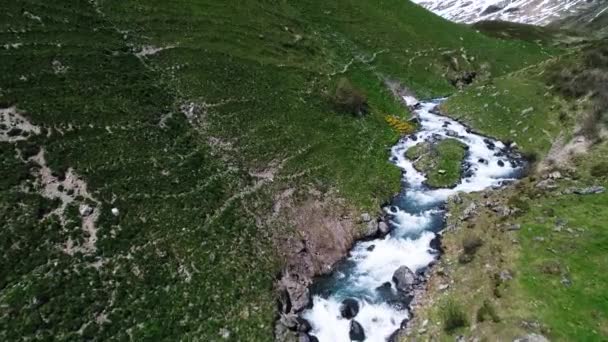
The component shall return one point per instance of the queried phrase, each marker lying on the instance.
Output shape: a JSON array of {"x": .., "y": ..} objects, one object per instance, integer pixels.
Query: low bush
[
  {"x": 347, "y": 98},
  {"x": 453, "y": 316},
  {"x": 471, "y": 244},
  {"x": 487, "y": 311},
  {"x": 600, "y": 170}
]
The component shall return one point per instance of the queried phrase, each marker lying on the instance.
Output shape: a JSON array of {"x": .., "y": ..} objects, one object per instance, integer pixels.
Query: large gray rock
[
  {"x": 383, "y": 228},
  {"x": 365, "y": 217},
  {"x": 404, "y": 279},
  {"x": 371, "y": 228}
]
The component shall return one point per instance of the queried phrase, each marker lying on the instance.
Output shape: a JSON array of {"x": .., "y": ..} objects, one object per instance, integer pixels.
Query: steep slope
[
  {"x": 164, "y": 160},
  {"x": 594, "y": 20},
  {"x": 537, "y": 12}
]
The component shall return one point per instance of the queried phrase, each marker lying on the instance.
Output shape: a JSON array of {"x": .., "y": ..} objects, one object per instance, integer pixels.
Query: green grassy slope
[
  {"x": 538, "y": 269},
  {"x": 187, "y": 257}
]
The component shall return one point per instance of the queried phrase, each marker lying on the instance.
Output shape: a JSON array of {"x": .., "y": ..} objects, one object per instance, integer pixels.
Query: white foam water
[{"x": 416, "y": 217}]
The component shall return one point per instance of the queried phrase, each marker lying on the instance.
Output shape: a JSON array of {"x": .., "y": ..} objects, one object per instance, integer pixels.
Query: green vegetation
[
  {"x": 440, "y": 161},
  {"x": 453, "y": 316},
  {"x": 516, "y": 107}
]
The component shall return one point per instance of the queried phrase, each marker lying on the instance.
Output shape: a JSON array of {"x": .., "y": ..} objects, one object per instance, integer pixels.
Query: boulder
[
  {"x": 85, "y": 210},
  {"x": 383, "y": 228},
  {"x": 356, "y": 332},
  {"x": 404, "y": 279},
  {"x": 501, "y": 163},
  {"x": 371, "y": 228},
  {"x": 349, "y": 308},
  {"x": 365, "y": 217}
]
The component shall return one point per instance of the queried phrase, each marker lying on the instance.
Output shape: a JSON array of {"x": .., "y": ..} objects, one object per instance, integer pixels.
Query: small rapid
[{"x": 364, "y": 280}]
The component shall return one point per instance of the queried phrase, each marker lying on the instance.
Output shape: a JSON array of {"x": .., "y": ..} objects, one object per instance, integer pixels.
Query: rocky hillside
[
  {"x": 593, "y": 19},
  {"x": 537, "y": 12}
]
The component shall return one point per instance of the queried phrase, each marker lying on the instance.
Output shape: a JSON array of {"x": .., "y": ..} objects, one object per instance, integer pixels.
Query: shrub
[
  {"x": 347, "y": 98},
  {"x": 530, "y": 156},
  {"x": 486, "y": 311},
  {"x": 453, "y": 316},
  {"x": 600, "y": 170},
  {"x": 471, "y": 244}
]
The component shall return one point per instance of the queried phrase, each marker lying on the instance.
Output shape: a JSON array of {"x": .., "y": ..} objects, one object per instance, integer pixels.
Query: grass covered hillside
[
  {"x": 148, "y": 150},
  {"x": 535, "y": 252}
]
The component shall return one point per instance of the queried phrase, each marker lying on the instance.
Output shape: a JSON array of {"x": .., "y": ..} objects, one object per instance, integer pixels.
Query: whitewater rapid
[{"x": 416, "y": 218}]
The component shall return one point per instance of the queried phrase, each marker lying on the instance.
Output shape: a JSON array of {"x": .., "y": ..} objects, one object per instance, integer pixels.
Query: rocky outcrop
[{"x": 324, "y": 230}]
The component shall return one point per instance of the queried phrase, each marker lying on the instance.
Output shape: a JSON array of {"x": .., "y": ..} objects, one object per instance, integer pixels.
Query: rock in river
[
  {"x": 356, "y": 331},
  {"x": 349, "y": 308},
  {"x": 404, "y": 279}
]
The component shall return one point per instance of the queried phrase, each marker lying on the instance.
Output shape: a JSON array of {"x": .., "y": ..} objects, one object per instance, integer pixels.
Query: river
[{"x": 417, "y": 217}]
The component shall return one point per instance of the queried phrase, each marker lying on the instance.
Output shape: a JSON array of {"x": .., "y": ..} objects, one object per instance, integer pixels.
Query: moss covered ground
[{"x": 440, "y": 161}]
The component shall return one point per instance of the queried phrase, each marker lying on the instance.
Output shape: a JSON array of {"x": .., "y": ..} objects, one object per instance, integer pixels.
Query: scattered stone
[
  {"x": 455, "y": 198},
  {"x": 85, "y": 210},
  {"x": 514, "y": 226},
  {"x": 589, "y": 190},
  {"x": 349, "y": 308},
  {"x": 505, "y": 275},
  {"x": 404, "y": 279},
  {"x": 441, "y": 171},
  {"x": 532, "y": 338},
  {"x": 365, "y": 217},
  {"x": 469, "y": 212},
  {"x": 527, "y": 110},
  {"x": 115, "y": 211},
  {"x": 539, "y": 238},
  {"x": 547, "y": 184},
  {"x": 356, "y": 332},
  {"x": 566, "y": 282},
  {"x": 225, "y": 333},
  {"x": 555, "y": 175},
  {"x": 443, "y": 287}
]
